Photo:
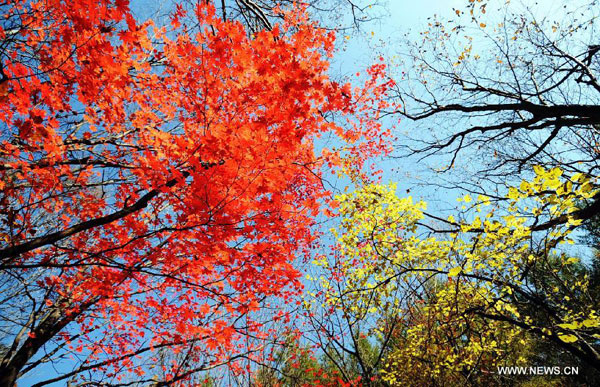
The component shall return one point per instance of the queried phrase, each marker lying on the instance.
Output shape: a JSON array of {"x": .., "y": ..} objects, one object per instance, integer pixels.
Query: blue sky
[
  {"x": 402, "y": 16},
  {"x": 383, "y": 37}
]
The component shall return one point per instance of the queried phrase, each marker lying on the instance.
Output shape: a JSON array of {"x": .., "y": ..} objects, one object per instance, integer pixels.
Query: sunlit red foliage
[{"x": 160, "y": 181}]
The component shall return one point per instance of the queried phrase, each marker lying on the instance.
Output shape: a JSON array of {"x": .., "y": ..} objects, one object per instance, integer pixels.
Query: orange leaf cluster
[{"x": 165, "y": 179}]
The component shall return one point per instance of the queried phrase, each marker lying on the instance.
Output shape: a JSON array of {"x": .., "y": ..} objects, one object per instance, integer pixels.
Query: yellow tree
[{"x": 465, "y": 296}]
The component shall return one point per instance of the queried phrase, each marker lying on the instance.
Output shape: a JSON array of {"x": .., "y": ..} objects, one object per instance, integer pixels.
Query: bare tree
[{"x": 509, "y": 87}]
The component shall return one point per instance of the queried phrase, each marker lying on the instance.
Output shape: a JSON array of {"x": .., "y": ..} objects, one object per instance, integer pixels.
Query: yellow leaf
[
  {"x": 589, "y": 323},
  {"x": 539, "y": 170},
  {"x": 577, "y": 177},
  {"x": 572, "y": 260},
  {"x": 568, "y": 326},
  {"x": 568, "y": 338},
  {"x": 454, "y": 272}
]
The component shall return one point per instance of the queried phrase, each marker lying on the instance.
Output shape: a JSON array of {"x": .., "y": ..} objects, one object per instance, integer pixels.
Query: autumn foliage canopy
[
  {"x": 193, "y": 198},
  {"x": 159, "y": 181}
]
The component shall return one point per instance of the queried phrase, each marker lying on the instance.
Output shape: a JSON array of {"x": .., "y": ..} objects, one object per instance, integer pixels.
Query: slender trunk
[{"x": 48, "y": 327}]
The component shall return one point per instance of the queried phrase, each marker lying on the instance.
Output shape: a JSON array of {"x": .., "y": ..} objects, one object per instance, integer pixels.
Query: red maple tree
[{"x": 158, "y": 182}]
